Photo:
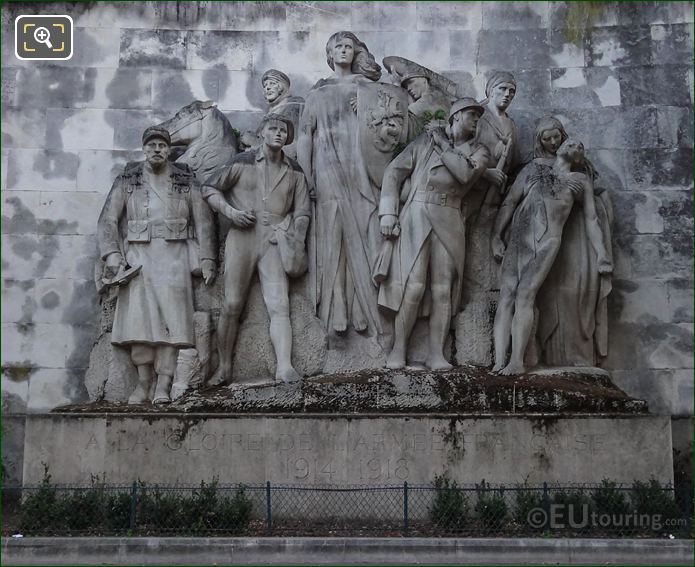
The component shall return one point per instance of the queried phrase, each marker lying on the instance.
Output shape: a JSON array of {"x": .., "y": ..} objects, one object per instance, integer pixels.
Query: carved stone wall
[{"x": 620, "y": 82}]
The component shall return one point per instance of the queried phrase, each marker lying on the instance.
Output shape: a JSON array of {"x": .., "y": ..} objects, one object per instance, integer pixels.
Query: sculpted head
[
  {"x": 463, "y": 118},
  {"x": 500, "y": 89},
  {"x": 276, "y": 131},
  {"x": 416, "y": 86},
  {"x": 156, "y": 145},
  {"x": 276, "y": 86},
  {"x": 344, "y": 49},
  {"x": 550, "y": 134},
  {"x": 571, "y": 151}
]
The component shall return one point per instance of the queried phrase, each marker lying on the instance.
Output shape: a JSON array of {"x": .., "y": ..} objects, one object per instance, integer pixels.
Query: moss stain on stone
[{"x": 18, "y": 371}]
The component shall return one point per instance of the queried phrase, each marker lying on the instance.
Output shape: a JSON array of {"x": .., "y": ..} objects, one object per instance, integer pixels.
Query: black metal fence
[{"x": 442, "y": 509}]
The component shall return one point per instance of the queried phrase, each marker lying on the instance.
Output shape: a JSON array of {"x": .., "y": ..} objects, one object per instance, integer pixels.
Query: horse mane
[{"x": 214, "y": 147}]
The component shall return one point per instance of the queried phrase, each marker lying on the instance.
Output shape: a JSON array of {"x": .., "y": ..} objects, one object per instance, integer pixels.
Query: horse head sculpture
[{"x": 208, "y": 136}]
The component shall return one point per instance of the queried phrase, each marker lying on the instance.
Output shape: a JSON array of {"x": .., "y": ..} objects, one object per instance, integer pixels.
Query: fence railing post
[
  {"x": 268, "y": 507},
  {"x": 405, "y": 506},
  {"x": 133, "y": 506},
  {"x": 546, "y": 505}
]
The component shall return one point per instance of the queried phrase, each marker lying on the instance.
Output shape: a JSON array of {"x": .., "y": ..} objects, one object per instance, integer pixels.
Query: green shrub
[
  {"x": 574, "y": 508},
  {"x": 491, "y": 507},
  {"x": 653, "y": 499},
  {"x": 608, "y": 499},
  {"x": 450, "y": 506},
  {"x": 527, "y": 499}
]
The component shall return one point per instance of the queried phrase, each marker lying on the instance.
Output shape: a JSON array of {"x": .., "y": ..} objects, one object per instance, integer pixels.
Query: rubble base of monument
[{"x": 463, "y": 390}]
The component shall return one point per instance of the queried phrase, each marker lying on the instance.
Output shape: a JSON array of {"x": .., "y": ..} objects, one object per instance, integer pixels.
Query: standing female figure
[
  {"x": 538, "y": 206},
  {"x": 347, "y": 225}
]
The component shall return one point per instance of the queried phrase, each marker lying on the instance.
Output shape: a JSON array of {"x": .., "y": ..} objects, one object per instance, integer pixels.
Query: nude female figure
[{"x": 537, "y": 206}]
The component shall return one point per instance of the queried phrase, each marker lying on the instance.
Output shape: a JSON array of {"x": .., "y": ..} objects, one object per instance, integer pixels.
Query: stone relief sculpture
[
  {"x": 264, "y": 194},
  {"x": 429, "y": 253},
  {"x": 538, "y": 206},
  {"x": 406, "y": 181},
  {"x": 153, "y": 230},
  {"x": 572, "y": 325},
  {"x": 206, "y": 134},
  {"x": 431, "y": 92},
  {"x": 496, "y": 131},
  {"x": 347, "y": 227}
]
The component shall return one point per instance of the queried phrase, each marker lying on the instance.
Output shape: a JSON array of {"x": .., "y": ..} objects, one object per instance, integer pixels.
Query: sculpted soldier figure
[
  {"x": 430, "y": 91},
  {"x": 268, "y": 205},
  {"x": 429, "y": 252},
  {"x": 538, "y": 205},
  {"x": 161, "y": 211},
  {"x": 276, "y": 89}
]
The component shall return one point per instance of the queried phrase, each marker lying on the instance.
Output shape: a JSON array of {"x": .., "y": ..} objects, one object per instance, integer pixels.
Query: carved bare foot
[
  {"x": 220, "y": 376},
  {"x": 139, "y": 396},
  {"x": 339, "y": 317},
  {"x": 360, "y": 325},
  {"x": 512, "y": 369},
  {"x": 497, "y": 367},
  {"x": 439, "y": 363},
  {"x": 287, "y": 375},
  {"x": 395, "y": 360}
]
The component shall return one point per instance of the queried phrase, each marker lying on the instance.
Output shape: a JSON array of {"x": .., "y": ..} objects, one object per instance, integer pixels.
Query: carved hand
[
  {"x": 240, "y": 219},
  {"x": 353, "y": 104},
  {"x": 113, "y": 263},
  {"x": 440, "y": 139},
  {"x": 209, "y": 269},
  {"x": 388, "y": 225},
  {"x": 498, "y": 248},
  {"x": 496, "y": 177},
  {"x": 605, "y": 266}
]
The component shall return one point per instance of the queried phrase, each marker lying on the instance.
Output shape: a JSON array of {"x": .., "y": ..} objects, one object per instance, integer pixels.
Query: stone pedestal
[{"x": 174, "y": 448}]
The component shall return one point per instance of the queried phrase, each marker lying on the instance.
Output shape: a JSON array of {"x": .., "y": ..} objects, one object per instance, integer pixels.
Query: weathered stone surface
[
  {"x": 71, "y": 129},
  {"x": 41, "y": 170},
  {"x": 12, "y": 447},
  {"x": 98, "y": 168},
  {"x": 449, "y": 15},
  {"x": 672, "y": 44},
  {"x": 23, "y": 128},
  {"x": 525, "y": 49},
  {"x": 667, "y": 85},
  {"x": 675, "y": 125},
  {"x": 317, "y": 15},
  {"x": 649, "y": 170},
  {"x": 380, "y": 450},
  {"x": 585, "y": 88},
  {"x": 153, "y": 48},
  {"x": 610, "y": 46},
  {"x": 670, "y": 390},
  {"x": 233, "y": 50},
  {"x": 565, "y": 51},
  {"x": 515, "y": 15},
  {"x": 383, "y": 16},
  {"x": 172, "y": 90}
]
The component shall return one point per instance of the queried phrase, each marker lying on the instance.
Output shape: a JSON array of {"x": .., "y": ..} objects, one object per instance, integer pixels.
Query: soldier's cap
[
  {"x": 282, "y": 118},
  {"x": 405, "y": 69},
  {"x": 464, "y": 104},
  {"x": 156, "y": 132},
  {"x": 277, "y": 75}
]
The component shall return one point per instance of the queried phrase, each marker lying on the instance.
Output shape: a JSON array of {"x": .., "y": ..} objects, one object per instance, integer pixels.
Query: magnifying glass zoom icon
[{"x": 42, "y": 35}]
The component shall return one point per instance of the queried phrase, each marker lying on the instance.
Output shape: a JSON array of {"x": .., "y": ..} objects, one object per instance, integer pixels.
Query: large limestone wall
[{"x": 619, "y": 80}]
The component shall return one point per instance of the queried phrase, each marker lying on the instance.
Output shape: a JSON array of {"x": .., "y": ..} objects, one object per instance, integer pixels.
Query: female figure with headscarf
[
  {"x": 572, "y": 303},
  {"x": 347, "y": 224},
  {"x": 498, "y": 133},
  {"x": 537, "y": 208}
]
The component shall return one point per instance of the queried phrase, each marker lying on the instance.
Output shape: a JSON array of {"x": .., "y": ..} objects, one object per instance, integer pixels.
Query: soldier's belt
[
  {"x": 269, "y": 219},
  {"x": 437, "y": 198},
  {"x": 144, "y": 231}
]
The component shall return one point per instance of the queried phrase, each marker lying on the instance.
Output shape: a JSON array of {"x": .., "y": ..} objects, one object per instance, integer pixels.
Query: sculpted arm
[
  {"x": 302, "y": 207},
  {"x": 108, "y": 235},
  {"x": 505, "y": 214},
  {"x": 395, "y": 175},
  {"x": 305, "y": 142},
  {"x": 221, "y": 181},
  {"x": 466, "y": 170},
  {"x": 593, "y": 228},
  {"x": 202, "y": 219}
]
